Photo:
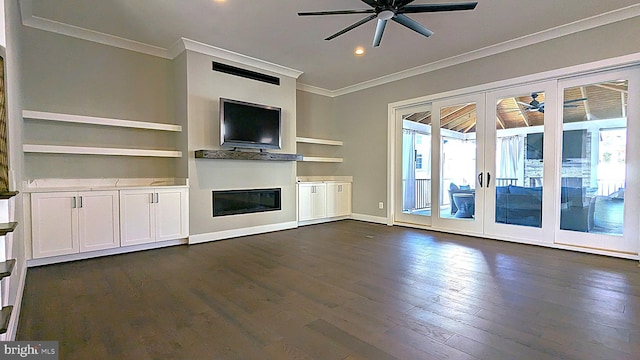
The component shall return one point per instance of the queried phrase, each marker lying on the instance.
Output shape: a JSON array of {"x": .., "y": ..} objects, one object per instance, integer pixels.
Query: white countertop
[
  {"x": 324, "y": 179},
  {"x": 47, "y": 185}
]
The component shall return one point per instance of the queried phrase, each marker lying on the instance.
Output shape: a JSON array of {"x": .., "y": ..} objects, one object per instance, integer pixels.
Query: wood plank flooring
[{"x": 343, "y": 290}]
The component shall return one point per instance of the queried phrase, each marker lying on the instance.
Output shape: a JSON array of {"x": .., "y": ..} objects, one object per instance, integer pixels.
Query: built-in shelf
[
  {"x": 322, "y": 159},
  {"x": 93, "y": 120},
  {"x": 245, "y": 155},
  {"x": 318, "y": 141},
  {"x": 6, "y": 268},
  {"x": 5, "y": 316},
  {"x": 6, "y": 228},
  {"x": 84, "y": 150}
]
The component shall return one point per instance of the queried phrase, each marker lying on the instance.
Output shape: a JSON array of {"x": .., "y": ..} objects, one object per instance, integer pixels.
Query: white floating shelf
[
  {"x": 321, "y": 159},
  {"x": 83, "y": 150},
  {"x": 81, "y": 119},
  {"x": 318, "y": 141}
]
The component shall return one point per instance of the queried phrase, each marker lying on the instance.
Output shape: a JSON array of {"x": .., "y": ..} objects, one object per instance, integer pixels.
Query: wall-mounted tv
[
  {"x": 248, "y": 125},
  {"x": 573, "y": 144}
]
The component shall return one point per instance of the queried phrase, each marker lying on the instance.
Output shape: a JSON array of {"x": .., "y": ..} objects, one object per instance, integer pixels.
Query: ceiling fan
[
  {"x": 536, "y": 105},
  {"x": 394, "y": 10}
]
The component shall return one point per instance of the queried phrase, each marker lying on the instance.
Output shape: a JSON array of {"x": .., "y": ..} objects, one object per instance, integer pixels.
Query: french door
[
  {"x": 520, "y": 161},
  {"x": 553, "y": 162},
  {"x": 457, "y": 163},
  {"x": 599, "y": 178}
]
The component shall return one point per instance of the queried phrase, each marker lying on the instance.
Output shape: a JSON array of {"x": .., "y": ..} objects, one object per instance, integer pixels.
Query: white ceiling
[{"x": 270, "y": 30}]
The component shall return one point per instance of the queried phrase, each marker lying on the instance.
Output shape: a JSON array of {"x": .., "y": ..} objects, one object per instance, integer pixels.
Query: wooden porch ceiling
[{"x": 601, "y": 101}]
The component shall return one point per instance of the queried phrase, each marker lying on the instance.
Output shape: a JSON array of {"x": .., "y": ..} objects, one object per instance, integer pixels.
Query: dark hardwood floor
[{"x": 343, "y": 290}]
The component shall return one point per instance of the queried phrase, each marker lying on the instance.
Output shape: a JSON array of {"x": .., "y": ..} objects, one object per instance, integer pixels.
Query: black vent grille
[{"x": 232, "y": 70}]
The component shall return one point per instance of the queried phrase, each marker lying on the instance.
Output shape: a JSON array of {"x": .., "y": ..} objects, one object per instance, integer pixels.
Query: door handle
[
  {"x": 80, "y": 202},
  {"x": 157, "y": 198},
  {"x": 74, "y": 205},
  {"x": 480, "y": 179},
  {"x": 488, "y": 178}
]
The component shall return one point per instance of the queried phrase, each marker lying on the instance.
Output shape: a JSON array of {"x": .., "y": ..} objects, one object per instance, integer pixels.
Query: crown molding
[
  {"x": 210, "y": 50},
  {"x": 315, "y": 90},
  {"x": 30, "y": 20},
  {"x": 531, "y": 39}
]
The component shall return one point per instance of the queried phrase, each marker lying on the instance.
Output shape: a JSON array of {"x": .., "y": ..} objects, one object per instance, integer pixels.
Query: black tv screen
[
  {"x": 248, "y": 125},
  {"x": 534, "y": 145},
  {"x": 573, "y": 144}
]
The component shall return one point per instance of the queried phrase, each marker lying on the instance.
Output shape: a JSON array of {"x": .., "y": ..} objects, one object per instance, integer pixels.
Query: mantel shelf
[
  {"x": 84, "y": 150},
  {"x": 318, "y": 141},
  {"x": 245, "y": 155},
  {"x": 93, "y": 120}
]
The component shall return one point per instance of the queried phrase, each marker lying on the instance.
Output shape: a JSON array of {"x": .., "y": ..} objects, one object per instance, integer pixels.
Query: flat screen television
[
  {"x": 248, "y": 125},
  {"x": 573, "y": 144}
]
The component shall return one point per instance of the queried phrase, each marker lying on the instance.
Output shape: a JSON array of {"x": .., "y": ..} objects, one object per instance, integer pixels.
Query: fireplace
[{"x": 234, "y": 202}]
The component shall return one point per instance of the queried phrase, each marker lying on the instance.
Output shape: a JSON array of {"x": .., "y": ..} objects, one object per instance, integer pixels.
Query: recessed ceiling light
[{"x": 359, "y": 51}]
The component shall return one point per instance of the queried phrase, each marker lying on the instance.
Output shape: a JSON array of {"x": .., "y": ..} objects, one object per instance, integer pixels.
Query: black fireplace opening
[{"x": 234, "y": 202}]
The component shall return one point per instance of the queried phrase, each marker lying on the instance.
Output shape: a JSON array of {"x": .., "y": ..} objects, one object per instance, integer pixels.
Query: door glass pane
[
  {"x": 416, "y": 164},
  {"x": 458, "y": 161},
  {"x": 594, "y": 144},
  {"x": 519, "y": 162}
]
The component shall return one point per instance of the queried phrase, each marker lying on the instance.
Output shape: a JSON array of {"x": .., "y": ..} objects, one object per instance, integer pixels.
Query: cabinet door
[
  {"x": 319, "y": 201},
  {"x": 54, "y": 223},
  {"x": 137, "y": 217},
  {"x": 98, "y": 220},
  {"x": 305, "y": 192},
  {"x": 171, "y": 209},
  {"x": 338, "y": 199}
]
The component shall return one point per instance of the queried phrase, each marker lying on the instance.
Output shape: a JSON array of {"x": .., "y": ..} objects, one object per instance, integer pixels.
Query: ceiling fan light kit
[{"x": 385, "y": 10}]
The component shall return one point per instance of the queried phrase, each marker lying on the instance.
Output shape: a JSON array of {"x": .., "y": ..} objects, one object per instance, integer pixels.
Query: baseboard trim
[
  {"x": 107, "y": 252},
  {"x": 370, "y": 218},
  {"x": 323, "y": 220},
  {"x": 15, "y": 317},
  {"x": 228, "y": 234}
]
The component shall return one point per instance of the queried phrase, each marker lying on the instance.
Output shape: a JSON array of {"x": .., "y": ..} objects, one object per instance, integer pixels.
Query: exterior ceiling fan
[
  {"x": 394, "y": 10},
  {"x": 536, "y": 105}
]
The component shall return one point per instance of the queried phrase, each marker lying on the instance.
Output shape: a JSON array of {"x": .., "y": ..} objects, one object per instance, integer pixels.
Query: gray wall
[
  {"x": 316, "y": 118},
  {"x": 361, "y": 116},
  {"x": 73, "y": 76},
  {"x": 205, "y": 87}
]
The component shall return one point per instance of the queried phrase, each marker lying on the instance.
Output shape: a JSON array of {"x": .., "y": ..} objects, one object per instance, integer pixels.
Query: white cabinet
[
  {"x": 321, "y": 201},
  {"x": 71, "y": 222},
  {"x": 153, "y": 214},
  {"x": 311, "y": 201},
  {"x": 338, "y": 199}
]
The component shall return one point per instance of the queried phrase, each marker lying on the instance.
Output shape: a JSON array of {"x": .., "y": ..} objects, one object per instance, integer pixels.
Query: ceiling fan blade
[
  {"x": 372, "y": 3},
  {"x": 574, "y": 100},
  {"x": 337, "y": 12},
  {"x": 570, "y": 106},
  {"x": 412, "y": 24},
  {"x": 529, "y": 106},
  {"x": 379, "y": 30},
  {"x": 412, "y": 9},
  {"x": 365, "y": 20}
]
